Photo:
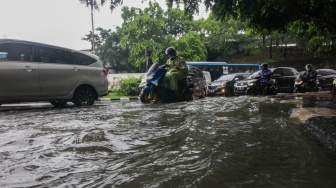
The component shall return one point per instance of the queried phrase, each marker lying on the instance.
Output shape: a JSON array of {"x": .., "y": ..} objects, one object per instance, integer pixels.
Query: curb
[{"x": 118, "y": 99}]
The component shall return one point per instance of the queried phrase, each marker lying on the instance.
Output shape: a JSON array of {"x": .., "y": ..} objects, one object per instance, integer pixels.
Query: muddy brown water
[{"x": 213, "y": 142}]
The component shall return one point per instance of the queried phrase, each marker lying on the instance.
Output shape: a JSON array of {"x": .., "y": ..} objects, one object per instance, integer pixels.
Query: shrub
[{"x": 129, "y": 86}]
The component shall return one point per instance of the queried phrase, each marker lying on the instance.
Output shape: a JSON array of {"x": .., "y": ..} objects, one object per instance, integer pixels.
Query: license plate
[
  {"x": 211, "y": 91},
  {"x": 240, "y": 88}
]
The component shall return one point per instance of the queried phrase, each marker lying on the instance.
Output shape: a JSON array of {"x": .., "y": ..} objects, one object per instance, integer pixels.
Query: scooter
[
  {"x": 155, "y": 90},
  {"x": 254, "y": 87},
  {"x": 306, "y": 85}
]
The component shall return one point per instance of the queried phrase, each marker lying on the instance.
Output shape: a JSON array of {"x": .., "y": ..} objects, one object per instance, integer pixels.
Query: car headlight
[
  {"x": 251, "y": 82},
  {"x": 298, "y": 82},
  {"x": 235, "y": 85}
]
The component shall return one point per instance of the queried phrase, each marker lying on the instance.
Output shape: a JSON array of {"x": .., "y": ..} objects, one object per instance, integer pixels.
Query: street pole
[{"x": 93, "y": 39}]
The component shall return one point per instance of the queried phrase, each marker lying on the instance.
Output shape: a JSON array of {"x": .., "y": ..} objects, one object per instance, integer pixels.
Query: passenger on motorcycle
[
  {"x": 177, "y": 68},
  {"x": 310, "y": 74},
  {"x": 265, "y": 74}
]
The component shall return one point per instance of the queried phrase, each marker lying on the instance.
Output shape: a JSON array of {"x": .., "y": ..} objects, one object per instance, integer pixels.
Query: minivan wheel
[
  {"x": 58, "y": 104},
  {"x": 84, "y": 96}
]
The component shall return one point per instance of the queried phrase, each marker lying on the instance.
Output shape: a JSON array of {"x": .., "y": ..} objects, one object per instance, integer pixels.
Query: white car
[{"x": 32, "y": 71}]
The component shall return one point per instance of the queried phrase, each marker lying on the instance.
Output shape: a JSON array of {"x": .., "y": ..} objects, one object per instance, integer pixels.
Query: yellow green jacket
[{"x": 177, "y": 64}]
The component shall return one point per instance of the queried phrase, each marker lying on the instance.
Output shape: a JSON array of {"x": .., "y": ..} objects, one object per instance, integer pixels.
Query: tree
[
  {"x": 143, "y": 30},
  {"x": 190, "y": 46}
]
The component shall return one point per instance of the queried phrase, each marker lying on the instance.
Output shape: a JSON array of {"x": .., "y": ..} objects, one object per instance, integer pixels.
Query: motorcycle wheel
[
  {"x": 154, "y": 99},
  {"x": 145, "y": 97}
]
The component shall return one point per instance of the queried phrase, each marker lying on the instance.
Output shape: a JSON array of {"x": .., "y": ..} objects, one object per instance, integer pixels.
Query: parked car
[
  {"x": 31, "y": 71},
  {"x": 325, "y": 78},
  {"x": 240, "y": 86},
  {"x": 284, "y": 77},
  {"x": 199, "y": 81},
  {"x": 224, "y": 84}
]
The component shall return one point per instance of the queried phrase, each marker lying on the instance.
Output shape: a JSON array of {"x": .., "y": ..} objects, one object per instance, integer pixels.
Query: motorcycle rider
[
  {"x": 177, "y": 68},
  {"x": 310, "y": 74},
  {"x": 265, "y": 74}
]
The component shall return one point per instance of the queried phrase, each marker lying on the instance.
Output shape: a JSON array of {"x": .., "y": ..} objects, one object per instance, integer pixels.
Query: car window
[
  {"x": 57, "y": 56},
  {"x": 287, "y": 72},
  {"x": 241, "y": 76},
  {"x": 82, "y": 59},
  {"x": 227, "y": 77},
  {"x": 16, "y": 52},
  {"x": 294, "y": 72},
  {"x": 321, "y": 72},
  {"x": 278, "y": 71}
]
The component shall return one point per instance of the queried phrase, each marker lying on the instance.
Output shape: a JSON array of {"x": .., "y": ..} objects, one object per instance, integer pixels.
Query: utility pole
[{"x": 93, "y": 39}]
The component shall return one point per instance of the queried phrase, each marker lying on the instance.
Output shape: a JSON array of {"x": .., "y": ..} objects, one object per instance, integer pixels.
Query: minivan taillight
[{"x": 105, "y": 71}]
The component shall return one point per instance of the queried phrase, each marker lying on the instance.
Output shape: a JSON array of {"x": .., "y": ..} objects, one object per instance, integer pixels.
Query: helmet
[
  {"x": 264, "y": 66},
  {"x": 309, "y": 67},
  {"x": 170, "y": 51}
]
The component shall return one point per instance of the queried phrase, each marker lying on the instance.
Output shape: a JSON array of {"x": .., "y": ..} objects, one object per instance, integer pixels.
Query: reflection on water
[{"x": 215, "y": 142}]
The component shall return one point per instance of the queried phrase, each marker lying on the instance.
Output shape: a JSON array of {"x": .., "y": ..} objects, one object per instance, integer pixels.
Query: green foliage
[
  {"x": 233, "y": 28},
  {"x": 190, "y": 47},
  {"x": 129, "y": 86}
]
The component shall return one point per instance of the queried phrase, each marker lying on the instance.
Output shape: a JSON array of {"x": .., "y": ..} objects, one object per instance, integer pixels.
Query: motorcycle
[
  {"x": 333, "y": 89},
  {"x": 255, "y": 87},
  {"x": 155, "y": 90},
  {"x": 306, "y": 85}
]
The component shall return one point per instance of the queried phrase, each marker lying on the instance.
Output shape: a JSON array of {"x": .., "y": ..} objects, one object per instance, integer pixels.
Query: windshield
[
  {"x": 152, "y": 68},
  {"x": 227, "y": 77},
  {"x": 253, "y": 75}
]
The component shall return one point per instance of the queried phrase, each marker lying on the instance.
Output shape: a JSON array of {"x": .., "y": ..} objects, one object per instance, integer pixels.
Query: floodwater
[{"x": 213, "y": 142}]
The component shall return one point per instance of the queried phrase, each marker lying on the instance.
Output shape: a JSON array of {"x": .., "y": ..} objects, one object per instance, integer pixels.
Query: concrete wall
[{"x": 114, "y": 79}]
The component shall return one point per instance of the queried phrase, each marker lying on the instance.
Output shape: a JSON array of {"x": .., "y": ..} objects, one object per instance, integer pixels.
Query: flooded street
[{"x": 214, "y": 142}]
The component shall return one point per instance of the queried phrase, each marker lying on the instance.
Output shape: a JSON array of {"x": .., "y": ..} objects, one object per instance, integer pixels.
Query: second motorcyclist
[
  {"x": 310, "y": 75},
  {"x": 177, "y": 69},
  {"x": 265, "y": 75}
]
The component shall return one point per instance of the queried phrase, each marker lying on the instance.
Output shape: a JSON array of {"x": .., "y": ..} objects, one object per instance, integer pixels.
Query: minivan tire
[{"x": 84, "y": 96}]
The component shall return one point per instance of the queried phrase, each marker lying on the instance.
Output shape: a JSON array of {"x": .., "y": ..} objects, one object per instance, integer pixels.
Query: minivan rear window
[
  {"x": 57, "y": 56},
  {"x": 82, "y": 59},
  {"x": 16, "y": 52}
]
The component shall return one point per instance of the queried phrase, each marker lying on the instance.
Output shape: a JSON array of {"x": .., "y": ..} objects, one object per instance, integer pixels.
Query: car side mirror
[{"x": 236, "y": 79}]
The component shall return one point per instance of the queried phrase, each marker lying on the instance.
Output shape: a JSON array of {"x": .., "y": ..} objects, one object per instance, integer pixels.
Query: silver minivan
[{"x": 31, "y": 71}]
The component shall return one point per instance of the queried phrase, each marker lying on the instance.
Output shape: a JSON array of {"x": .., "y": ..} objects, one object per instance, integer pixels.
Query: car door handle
[{"x": 29, "y": 69}]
